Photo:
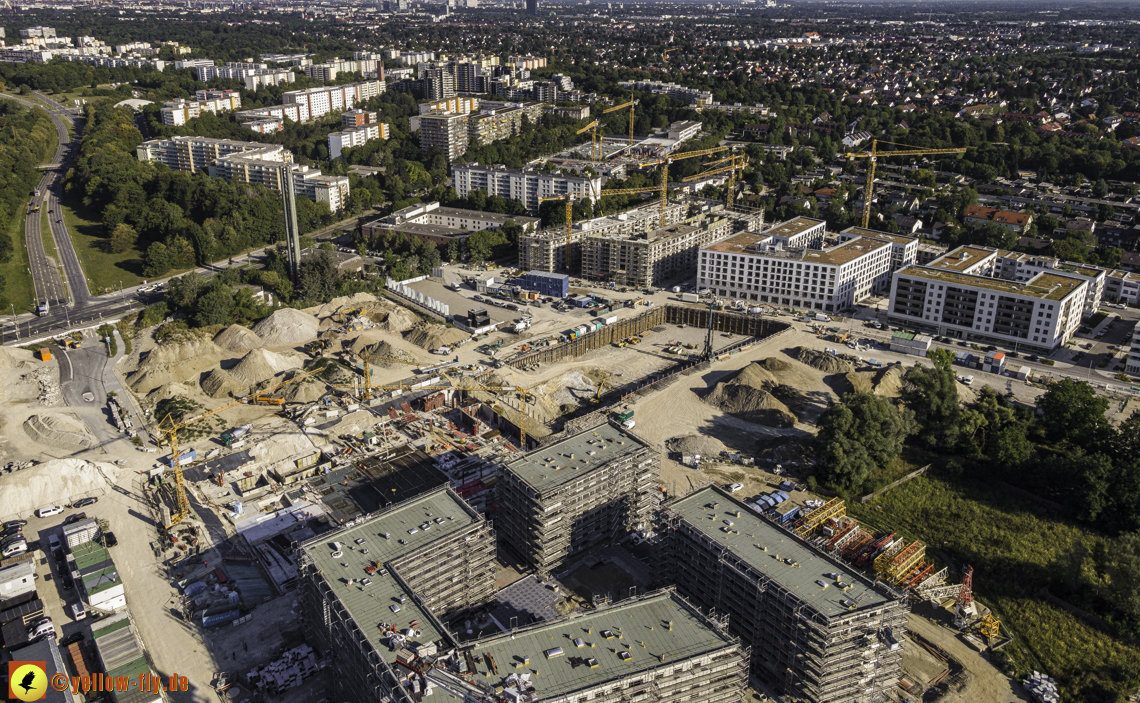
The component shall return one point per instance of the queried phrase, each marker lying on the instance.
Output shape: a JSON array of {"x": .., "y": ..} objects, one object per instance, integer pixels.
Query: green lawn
[
  {"x": 49, "y": 241},
  {"x": 103, "y": 269},
  {"x": 1017, "y": 548},
  {"x": 18, "y": 289}
]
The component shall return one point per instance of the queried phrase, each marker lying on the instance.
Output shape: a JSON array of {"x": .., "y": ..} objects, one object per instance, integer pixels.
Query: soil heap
[
  {"x": 286, "y": 326},
  {"x": 432, "y": 336},
  {"x": 749, "y": 395},
  {"x": 822, "y": 360},
  {"x": 55, "y": 482},
  {"x": 236, "y": 338},
  {"x": 182, "y": 362},
  {"x": 60, "y": 432},
  {"x": 887, "y": 382}
]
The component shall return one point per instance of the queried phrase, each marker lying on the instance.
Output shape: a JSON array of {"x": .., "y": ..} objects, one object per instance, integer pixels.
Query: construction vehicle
[
  {"x": 873, "y": 154},
  {"x": 68, "y": 343},
  {"x": 229, "y": 436},
  {"x": 268, "y": 400},
  {"x": 317, "y": 347},
  {"x": 631, "y": 105},
  {"x": 182, "y": 508},
  {"x": 664, "y": 164},
  {"x": 341, "y": 316},
  {"x": 602, "y": 386},
  {"x": 665, "y": 54}
]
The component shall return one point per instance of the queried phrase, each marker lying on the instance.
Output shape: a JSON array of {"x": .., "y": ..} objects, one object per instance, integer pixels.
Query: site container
[
  {"x": 220, "y": 618},
  {"x": 690, "y": 298}
]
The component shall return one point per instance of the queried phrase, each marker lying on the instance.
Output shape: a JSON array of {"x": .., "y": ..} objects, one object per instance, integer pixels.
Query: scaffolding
[
  {"x": 892, "y": 569},
  {"x": 834, "y": 508}
]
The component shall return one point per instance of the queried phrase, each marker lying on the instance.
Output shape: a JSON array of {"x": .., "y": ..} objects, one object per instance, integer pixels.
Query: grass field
[
  {"x": 18, "y": 288},
  {"x": 1017, "y": 548},
  {"x": 104, "y": 270},
  {"x": 49, "y": 241}
]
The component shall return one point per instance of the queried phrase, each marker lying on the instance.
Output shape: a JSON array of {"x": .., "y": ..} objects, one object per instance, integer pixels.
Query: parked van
[
  {"x": 41, "y": 628},
  {"x": 15, "y": 548},
  {"x": 49, "y": 511}
]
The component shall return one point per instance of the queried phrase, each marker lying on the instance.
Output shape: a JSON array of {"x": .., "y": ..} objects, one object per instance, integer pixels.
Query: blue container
[{"x": 221, "y": 618}]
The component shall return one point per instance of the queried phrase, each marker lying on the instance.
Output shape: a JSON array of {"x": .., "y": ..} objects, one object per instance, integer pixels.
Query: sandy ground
[{"x": 985, "y": 684}]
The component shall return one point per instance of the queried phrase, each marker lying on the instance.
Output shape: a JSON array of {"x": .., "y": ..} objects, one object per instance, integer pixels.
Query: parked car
[
  {"x": 1033, "y": 357},
  {"x": 74, "y": 518},
  {"x": 734, "y": 487},
  {"x": 109, "y": 539},
  {"x": 10, "y": 531},
  {"x": 15, "y": 523},
  {"x": 72, "y": 638},
  {"x": 49, "y": 511},
  {"x": 84, "y": 502},
  {"x": 14, "y": 548}
]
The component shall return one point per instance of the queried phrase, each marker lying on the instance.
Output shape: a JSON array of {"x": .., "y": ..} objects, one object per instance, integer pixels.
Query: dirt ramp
[{"x": 59, "y": 432}]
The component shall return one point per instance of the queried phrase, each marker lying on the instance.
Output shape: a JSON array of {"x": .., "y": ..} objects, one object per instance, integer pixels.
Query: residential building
[
  {"x": 179, "y": 112},
  {"x": 41, "y": 32},
  {"x": 441, "y": 225},
  {"x": 437, "y": 83},
  {"x": 684, "y": 130},
  {"x": 575, "y": 494},
  {"x": 411, "y": 58},
  {"x": 232, "y": 70},
  {"x": 245, "y": 162},
  {"x": 1014, "y": 221},
  {"x": 802, "y": 232},
  {"x": 958, "y": 295},
  {"x": 337, "y": 98},
  {"x": 1132, "y": 363},
  {"x": 693, "y": 96},
  {"x": 527, "y": 62},
  {"x": 528, "y": 186},
  {"x": 546, "y": 250},
  {"x": 574, "y": 113},
  {"x": 819, "y": 631},
  {"x": 191, "y": 64},
  {"x": 494, "y": 123},
  {"x": 546, "y": 91},
  {"x": 532, "y": 7},
  {"x": 1122, "y": 287},
  {"x": 356, "y": 118},
  {"x": 380, "y": 586},
  {"x": 447, "y": 131},
  {"x": 904, "y": 250},
  {"x": 254, "y": 80},
  {"x": 755, "y": 267},
  {"x": 652, "y": 259},
  {"x": 20, "y": 54},
  {"x": 458, "y": 105},
  {"x": 355, "y": 136}
]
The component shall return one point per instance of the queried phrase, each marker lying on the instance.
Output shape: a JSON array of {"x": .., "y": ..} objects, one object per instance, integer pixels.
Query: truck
[
  {"x": 441, "y": 351},
  {"x": 229, "y": 436},
  {"x": 624, "y": 417},
  {"x": 43, "y": 308},
  {"x": 690, "y": 298},
  {"x": 820, "y": 317}
]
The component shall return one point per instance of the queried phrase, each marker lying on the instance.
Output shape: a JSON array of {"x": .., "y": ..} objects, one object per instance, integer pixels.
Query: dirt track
[{"x": 985, "y": 684}]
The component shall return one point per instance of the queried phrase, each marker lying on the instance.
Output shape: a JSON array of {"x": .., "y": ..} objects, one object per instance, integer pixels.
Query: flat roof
[
  {"x": 640, "y": 629},
  {"x": 414, "y": 522},
  {"x": 739, "y": 243},
  {"x": 876, "y": 234},
  {"x": 765, "y": 547},
  {"x": 962, "y": 258},
  {"x": 1046, "y": 286},
  {"x": 835, "y": 256},
  {"x": 573, "y": 457},
  {"x": 90, "y": 554},
  {"x": 792, "y": 227}
]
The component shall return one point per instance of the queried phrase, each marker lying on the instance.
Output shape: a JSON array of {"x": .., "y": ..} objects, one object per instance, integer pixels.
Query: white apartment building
[
  {"x": 525, "y": 185},
  {"x": 801, "y": 232},
  {"x": 1132, "y": 363},
  {"x": 1122, "y": 287},
  {"x": 232, "y": 70},
  {"x": 326, "y": 99},
  {"x": 684, "y": 131},
  {"x": 1015, "y": 266},
  {"x": 904, "y": 251},
  {"x": 270, "y": 76},
  {"x": 958, "y": 296},
  {"x": 179, "y": 112},
  {"x": 462, "y": 106},
  {"x": 355, "y": 136},
  {"x": 193, "y": 63},
  {"x": 245, "y": 162},
  {"x": 693, "y": 96},
  {"x": 755, "y": 267}
]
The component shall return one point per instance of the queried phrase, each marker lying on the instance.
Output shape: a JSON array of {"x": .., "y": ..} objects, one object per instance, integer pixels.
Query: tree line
[{"x": 26, "y": 139}]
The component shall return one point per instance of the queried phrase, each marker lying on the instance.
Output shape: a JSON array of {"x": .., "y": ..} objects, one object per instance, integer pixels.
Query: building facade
[
  {"x": 446, "y": 131},
  {"x": 528, "y": 186},
  {"x": 819, "y": 631},
  {"x": 1132, "y": 363},
  {"x": 572, "y": 495},
  {"x": 355, "y": 136},
  {"x": 432, "y": 223},
  {"x": 651, "y": 259}
]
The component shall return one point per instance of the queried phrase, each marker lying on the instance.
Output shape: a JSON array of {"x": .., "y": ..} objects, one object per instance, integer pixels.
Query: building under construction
[
  {"x": 649, "y": 258},
  {"x": 576, "y": 493},
  {"x": 383, "y": 583},
  {"x": 819, "y": 631}
]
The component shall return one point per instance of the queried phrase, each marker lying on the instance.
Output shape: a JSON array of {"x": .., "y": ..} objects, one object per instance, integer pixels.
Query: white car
[
  {"x": 734, "y": 487},
  {"x": 49, "y": 511}
]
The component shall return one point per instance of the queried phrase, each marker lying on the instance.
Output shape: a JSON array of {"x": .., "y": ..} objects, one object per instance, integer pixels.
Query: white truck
[{"x": 820, "y": 317}]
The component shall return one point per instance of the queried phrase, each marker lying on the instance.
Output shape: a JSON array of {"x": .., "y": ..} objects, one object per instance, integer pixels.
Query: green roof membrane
[
  {"x": 781, "y": 556},
  {"x": 601, "y": 646},
  {"x": 419, "y": 523},
  {"x": 571, "y": 458}
]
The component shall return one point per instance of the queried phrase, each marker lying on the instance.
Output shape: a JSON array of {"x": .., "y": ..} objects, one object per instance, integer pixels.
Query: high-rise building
[
  {"x": 446, "y": 131},
  {"x": 532, "y": 7},
  {"x": 437, "y": 84},
  {"x": 526, "y": 185},
  {"x": 355, "y": 136},
  {"x": 568, "y": 496}
]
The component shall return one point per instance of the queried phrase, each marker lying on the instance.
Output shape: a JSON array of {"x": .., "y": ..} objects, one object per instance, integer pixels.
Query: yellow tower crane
[
  {"x": 366, "y": 369},
  {"x": 569, "y": 198},
  {"x": 665, "y": 54},
  {"x": 593, "y": 138},
  {"x": 664, "y": 163},
  {"x": 873, "y": 154},
  {"x": 736, "y": 163},
  {"x": 171, "y": 433},
  {"x": 631, "y": 104}
]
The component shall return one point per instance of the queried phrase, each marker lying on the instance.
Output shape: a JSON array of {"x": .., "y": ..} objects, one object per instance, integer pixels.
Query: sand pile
[
  {"x": 170, "y": 390},
  {"x": 54, "y": 482},
  {"x": 174, "y": 363},
  {"x": 237, "y": 338},
  {"x": 261, "y": 365},
  {"x": 13, "y": 357},
  {"x": 570, "y": 389},
  {"x": 286, "y": 326},
  {"x": 356, "y": 300},
  {"x": 219, "y": 383},
  {"x": 59, "y": 432},
  {"x": 690, "y": 445},
  {"x": 307, "y": 391},
  {"x": 394, "y": 319},
  {"x": 823, "y": 361},
  {"x": 748, "y": 395},
  {"x": 354, "y": 423},
  {"x": 373, "y": 345},
  {"x": 431, "y": 336},
  {"x": 887, "y": 382}
]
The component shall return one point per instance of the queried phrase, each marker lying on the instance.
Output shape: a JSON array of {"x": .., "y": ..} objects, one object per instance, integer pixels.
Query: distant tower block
[{"x": 292, "y": 230}]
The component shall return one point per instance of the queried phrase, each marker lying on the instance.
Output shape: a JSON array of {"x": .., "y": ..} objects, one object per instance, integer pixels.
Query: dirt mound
[
  {"x": 237, "y": 338},
  {"x": 174, "y": 363},
  {"x": 60, "y": 432},
  {"x": 55, "y": 482},
  {"x": 260, "y": 365},
  {"x": 823, "y": 361},
  {"x": 286, "y": 326},
  {"x": 432, "y": 336},
  {"x": 219, "y": 383},
  {"x": 395, "y": 319},
  {"x": 767, "y": 392},
  {"x": 170, "y": 390},
  {"x": 307, "y": 391},
  {"x": 375, "y": 346},
  {"x": 356, "y": 300},
  {"x": 887, "y": 382},
  {"x": 689, "y": 445},
  {"x": 179, "y": 352},
  {"x": 752, "y": 404},
  {"x": 13, "y": 357}
]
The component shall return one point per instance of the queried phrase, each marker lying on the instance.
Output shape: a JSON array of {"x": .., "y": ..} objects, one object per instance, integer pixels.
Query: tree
[
  {"x": 859, "y": 435},
  {"x": 215, "y": 307},
  {"x": 157, "y": 260},
  {"x": 182, "y": 292},
  {"x": 1072, "y": 411},
  {"x": 1100, "y": 188},
  {"x": 319, "y": 278},
  {"x": 123, "y": 238},
  {"x": 932, "y": 393}
]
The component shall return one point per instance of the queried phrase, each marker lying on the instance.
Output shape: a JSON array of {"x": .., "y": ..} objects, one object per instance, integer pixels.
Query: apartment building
[
  {"x": 802, "y": 232},
  {"x": 753, "y": 266},
  {"x": 355, "y": 136},
  {"x": 1015, "y": 221},
  {"x": 528, "y": 186},
  {"x": 1015, "y": 266},
  {"x": 192, "y": 64},
  {"x": 447, "y": 131},
  {"x": 1122, "y": 287},
  {"x": 232, "y": 70},
  {"x": 576, "y": 493},
  {"x": 546, "y": 250},
  {"x": 254, "y": 80},
  {"x": 958, "y": 295},
  {"x": 441, "y": 225},
  {"x": 40, "y": 32},
  {"x": 904, "y": 251},
  {"x": 245, "y": 162},
  {"x": 684, "y": 130},
  {"x": 1132, "y": 363},
  {"x": 356, "y": 118},
  {"x": 412, "y": 58},
  {"x": 21, "y": 54},
  {"x": 528, "y": 62},
  {"x": 337, "y": 98},
  {"x": 437, "y": 83},
  {"x": 377, "y": 589},
  {"x": 693, "y": 96},
  {"x": 819, "y": 631},
  {"x": 650, "y": 259},
  {"x": 461, "y": 106},
  {"x": 180, "y": 111},
  {"x": 500, "y": 121}
]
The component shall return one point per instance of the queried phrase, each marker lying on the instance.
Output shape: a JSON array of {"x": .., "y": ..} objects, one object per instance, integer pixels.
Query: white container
[
  {"x": 629, "y": 424},
  {"x": 332, "y": 413}
]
